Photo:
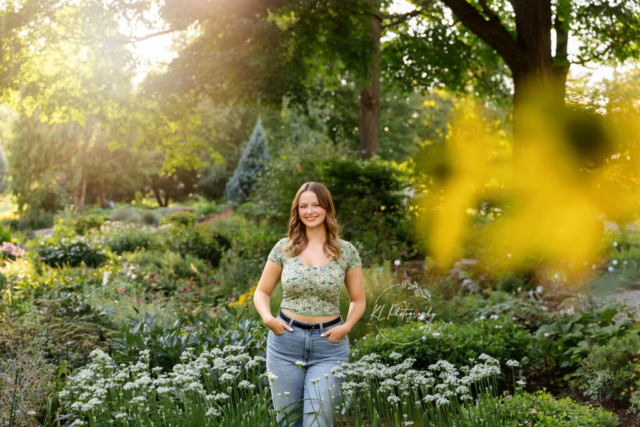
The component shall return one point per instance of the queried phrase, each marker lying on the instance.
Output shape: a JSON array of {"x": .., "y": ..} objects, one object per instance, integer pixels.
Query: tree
[
  {"x": 67, "y": 59},
  {"x": 252, "y": 163},
  {"x": 280, "y": 48},
  {"x": 520, "y": 33},
  {"x": 57, "y": 165},
  {"x": 177, "y": 186}
]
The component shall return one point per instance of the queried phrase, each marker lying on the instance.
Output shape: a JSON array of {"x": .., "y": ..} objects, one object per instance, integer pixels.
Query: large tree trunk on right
[
  {"x": 370, "y": 98},
  {"x": 533, "y": 68},
  {"x": 535, "y": 75}
]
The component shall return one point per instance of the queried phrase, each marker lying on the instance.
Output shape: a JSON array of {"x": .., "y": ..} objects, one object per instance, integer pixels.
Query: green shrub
[
  {"x": 368, "y": 197},
  {"x": 84, "y": 223},
  {"x": 569, "y": 340},
  {"x": 530, "y": 312},
  {"x": 59, "y": 339},
  {"x": 197, "y": 241},
  {"x": 5, "y": 234},
  {"x": 126, "y": 215},
  {"x": 205, "y": 208},
  {"x": 150, "y": 217},
  {"x": 122, "y": 238},
  {"x": 500, "y": 338},
  {"x": 168, "y": 343},
  {"x": 608, "y": 371},
  {"x": 185, "y": 218},
  {"x": 26, "y": 382},
  {"x": 540, "y": 409},
  {"x": 60, "y": 249},
  {"x": 244, "y": 257},
  {"x": 166, "y": 268}
]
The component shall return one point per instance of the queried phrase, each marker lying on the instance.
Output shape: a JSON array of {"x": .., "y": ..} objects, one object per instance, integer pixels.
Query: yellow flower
[{"x": 244, "y": 298}]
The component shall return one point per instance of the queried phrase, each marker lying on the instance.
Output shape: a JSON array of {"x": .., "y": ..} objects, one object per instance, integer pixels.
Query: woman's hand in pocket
[
  {"x": 336, "y": 334},
  {"x": 278, "y": 326}
]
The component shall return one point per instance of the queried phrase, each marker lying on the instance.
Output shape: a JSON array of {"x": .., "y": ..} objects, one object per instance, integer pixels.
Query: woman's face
[{"x": 309, "y": 209}]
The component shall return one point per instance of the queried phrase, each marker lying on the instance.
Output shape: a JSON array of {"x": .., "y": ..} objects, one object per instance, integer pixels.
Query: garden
[{"x": 149, "y": 156}]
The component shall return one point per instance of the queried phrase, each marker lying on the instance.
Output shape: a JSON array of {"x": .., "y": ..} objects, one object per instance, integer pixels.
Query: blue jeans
[{"x": 318, "y": 398}]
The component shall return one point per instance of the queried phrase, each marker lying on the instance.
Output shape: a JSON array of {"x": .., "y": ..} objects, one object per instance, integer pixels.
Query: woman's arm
[
  {"x": 355, "y": 287},
  {"x": 262, "y": 297},
  {"x": 354, "y": 281}
]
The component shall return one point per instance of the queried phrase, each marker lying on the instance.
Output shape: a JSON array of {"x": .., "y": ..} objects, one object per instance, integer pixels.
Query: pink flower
[
  {"x": 120, "y": 289},
  {"x": 14, "y": 250}
]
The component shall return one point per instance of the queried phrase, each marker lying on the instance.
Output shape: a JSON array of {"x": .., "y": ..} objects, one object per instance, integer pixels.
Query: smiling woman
[{"x": 308, "y": 337}]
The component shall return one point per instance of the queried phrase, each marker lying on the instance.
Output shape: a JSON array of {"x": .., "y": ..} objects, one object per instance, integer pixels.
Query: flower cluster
[
  {"x": 12, "y": 249},
  {"x": 136, "y": 392}
]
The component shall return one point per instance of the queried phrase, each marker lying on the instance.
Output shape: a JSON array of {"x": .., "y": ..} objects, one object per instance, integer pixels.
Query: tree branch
[
  {"x": 150, "y": 36},
  {"x": 562, "y": 44},
  {"x": 487, "y": 11},
  {"x": 491, "y": 32},
  {"x": 584, "y": 62},
  {"x": 361, "y": 13},
  {"x": 396, "y": 19}
]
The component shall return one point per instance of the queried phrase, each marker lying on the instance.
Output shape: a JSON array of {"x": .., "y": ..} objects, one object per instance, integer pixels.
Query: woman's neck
[{"x": 317, "y": 234}]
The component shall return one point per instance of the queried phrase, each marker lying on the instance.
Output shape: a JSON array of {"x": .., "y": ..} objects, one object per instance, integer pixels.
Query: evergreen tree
[{"x": 251, "y": 164}]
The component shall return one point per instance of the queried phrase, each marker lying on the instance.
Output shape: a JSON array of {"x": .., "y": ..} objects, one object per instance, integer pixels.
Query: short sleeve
[
  {"x": 353, "y": 258},
  {"x": 276, "y": 254}
]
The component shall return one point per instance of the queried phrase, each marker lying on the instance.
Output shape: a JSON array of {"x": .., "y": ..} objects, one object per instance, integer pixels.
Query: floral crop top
[{"x": 313, "y": 291}]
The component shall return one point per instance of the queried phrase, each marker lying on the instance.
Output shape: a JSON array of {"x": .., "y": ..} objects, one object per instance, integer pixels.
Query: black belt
[{"x": 305, "y": 325}]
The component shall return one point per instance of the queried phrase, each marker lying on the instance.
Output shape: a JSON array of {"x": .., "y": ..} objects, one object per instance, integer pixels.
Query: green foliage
[
  {"x": 122, "y": 238},
  {"x": 150, "y": 217},
  {"x": 84, "y": 223},
  {"x": 254, "y": 159},
  {"x": 368, "y": 197},
  {"x": 60, "y": 339},
  {"x": 26, "y": 382},
  {"x": 165, "y": 268},
  {"x": 185, "y": 218},
  {"x": 250, "y": 243},
  {"x": 541, "y": 409},
  {"x": 3, "y": 171},
  {"x": 530, "y": 312},
  {"x": 52, "y": 165},
  {"x": 64, "y": 247},
  {"x": 5, "y": 233},
  {"x": 609, "y": 369},
  {"x": 569, "y": 340},
  {"x": 501, "y": 339},
  {"x": 198, "y": 241},
  {"x": 126, "y": 215},
  {"x": 444, "y": 59},
  {"x": 168, "y": 343},
  {"x": 206, "y": 208}
]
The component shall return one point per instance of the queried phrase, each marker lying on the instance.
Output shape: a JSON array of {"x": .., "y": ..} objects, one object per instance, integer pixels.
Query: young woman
[{"x": 308, "y": 337}]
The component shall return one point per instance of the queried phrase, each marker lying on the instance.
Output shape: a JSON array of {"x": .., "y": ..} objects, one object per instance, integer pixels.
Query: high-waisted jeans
[{"x": 319, "y": 398}]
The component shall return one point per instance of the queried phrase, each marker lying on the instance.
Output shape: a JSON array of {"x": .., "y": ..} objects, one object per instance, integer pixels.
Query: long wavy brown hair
[{"x": 298, "y": 231}]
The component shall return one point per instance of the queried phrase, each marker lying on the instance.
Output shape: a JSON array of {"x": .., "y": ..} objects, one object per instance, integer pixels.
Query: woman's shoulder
[
  {"x": 345, "y": 243},
  {"x": 347, "y": 247}
]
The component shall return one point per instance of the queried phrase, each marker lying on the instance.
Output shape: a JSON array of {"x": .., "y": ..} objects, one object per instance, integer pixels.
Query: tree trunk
[
  {"x": 534, "y": 65},
  {"x": 79, "y": 195},
  {"x": 370, "y": 97},
  {"x": 535, "y": 73},
  {"x": 161, "y": 203},
  {"x": 561, "y": 62}
]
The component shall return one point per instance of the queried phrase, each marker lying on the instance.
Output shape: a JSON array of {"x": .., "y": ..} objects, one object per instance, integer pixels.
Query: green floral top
[{"x": 313, "y": 291}]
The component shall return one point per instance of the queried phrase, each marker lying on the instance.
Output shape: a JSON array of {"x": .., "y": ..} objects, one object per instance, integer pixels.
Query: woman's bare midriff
[{"x": 308, "y": 319}]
